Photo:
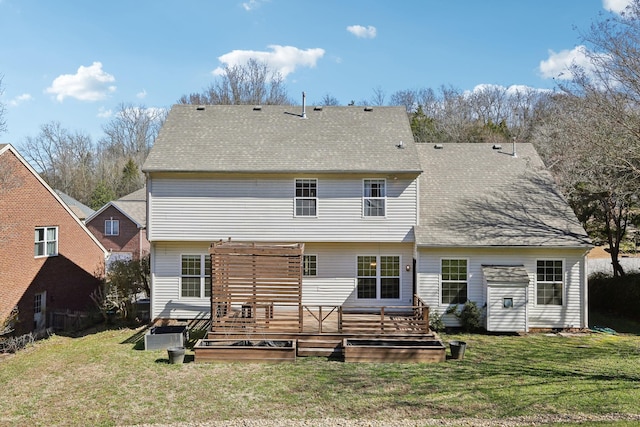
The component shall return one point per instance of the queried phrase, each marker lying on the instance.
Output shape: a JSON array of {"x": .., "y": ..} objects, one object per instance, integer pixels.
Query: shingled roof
[
  {"x": 475, "y": 195},
  {"x": 277, "y": 139}
]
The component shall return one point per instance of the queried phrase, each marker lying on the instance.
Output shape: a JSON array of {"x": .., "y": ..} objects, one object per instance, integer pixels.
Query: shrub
[
  {"x": 619, "y": 295},
  {"x": 470, "y": 316},
  {"x": 436, "y": 322}
]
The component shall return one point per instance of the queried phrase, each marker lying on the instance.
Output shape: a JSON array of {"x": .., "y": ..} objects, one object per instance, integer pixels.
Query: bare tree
[
  {"x": 127, "y": 140},
  {"x": 253, "y": 83},
  {"x": 605, "y": 99},
  {"x": 329, "y": 100},
  {"x": 378, "y": 97},
  {"x": 64, "y": 159},
  {"x": 3, "y": 121}
]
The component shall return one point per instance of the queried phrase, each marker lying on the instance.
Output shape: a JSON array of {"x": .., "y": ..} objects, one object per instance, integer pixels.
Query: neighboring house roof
[
  {"x": 276, "y": 139},
  {"x": 133, "y": 206},
  {"x": 474, "y": 195},
  {"x": 8, "y": 147},
  {"x": 82, "y": 211}
]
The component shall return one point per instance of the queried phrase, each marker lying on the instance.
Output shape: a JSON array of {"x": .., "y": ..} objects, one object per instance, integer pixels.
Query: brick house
[
  {"x": 49, "y": 261},
  {"x": 121, "y": 226}
]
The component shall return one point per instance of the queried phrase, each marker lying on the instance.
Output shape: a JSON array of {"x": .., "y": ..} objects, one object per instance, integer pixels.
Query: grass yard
[{"x": 104, "y": 379}]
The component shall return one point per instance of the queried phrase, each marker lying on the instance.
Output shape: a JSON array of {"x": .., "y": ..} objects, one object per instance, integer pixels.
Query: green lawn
[{"x": 104, "y": 379}]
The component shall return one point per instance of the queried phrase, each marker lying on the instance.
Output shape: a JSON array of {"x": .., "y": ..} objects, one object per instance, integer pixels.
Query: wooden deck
[
  {"x": 256, "y": 306},
  {"x": 324, "y": 331}
]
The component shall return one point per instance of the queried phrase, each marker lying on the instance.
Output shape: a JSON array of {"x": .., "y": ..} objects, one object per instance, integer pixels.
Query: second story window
[
  {"x": 46, "y": 241},
  {"x": 306, "y": 199},
  {"x": 111, "y": 227},
  {"x": 374, "y": 197}
]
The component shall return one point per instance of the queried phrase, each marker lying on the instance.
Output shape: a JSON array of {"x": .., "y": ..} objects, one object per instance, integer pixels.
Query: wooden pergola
[{"x": 252, "y": 281}]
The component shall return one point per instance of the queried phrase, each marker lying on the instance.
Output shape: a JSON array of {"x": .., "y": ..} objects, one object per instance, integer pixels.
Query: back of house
[{"x": 381, "y": 218}]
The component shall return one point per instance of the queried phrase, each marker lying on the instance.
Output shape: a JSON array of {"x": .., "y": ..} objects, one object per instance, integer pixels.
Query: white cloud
[
  {"x": 283, "y": 59},
  {"x": 511, "y": 90},
  {"x": 559, "y": 63},
  {"x": 103, "y": 113},
  {"x": 88, "y": 84},
  {"x": 25, "y": 97},
  {"x": 142, "y": 94},
  {"x": 251, "y": 5},
  {"x": 362, "y": 32},
  {"x": 616, "y": 6}
]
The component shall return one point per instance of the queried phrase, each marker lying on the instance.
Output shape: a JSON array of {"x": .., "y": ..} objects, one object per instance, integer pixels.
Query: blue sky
[{"x": 76, "y": 61}]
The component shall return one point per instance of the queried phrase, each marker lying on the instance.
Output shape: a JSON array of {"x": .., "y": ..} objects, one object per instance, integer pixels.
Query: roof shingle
[
  {"x": 475, "y": 195},
  {"x": 275, "y": 138}
]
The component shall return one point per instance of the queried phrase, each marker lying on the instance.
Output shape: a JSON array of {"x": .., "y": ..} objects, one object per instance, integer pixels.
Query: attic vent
[
  {"x": 497, "y": 147},
  {"x": 317, "y": 108},
  {"x": 368, "y": 108},
  {"x": 200, "y": 108},
  {"x": 438, "y": 146},
  {"x": 257, "y": 108}
]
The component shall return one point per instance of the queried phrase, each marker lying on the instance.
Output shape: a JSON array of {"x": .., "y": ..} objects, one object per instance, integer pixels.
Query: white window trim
[
  {"x": 296, "y": 198},
  {"x": 203, "y": 277},
  {"x": 45, "y": 241},
  {"x": 564, "y": 284},
  {"x": 384, "y": 198},
  {"x": 310, "y": 275},
  {"x": 379, "y": 278},
  {"x": 443, "y": 304},
  {"x": 112, "y": 221}
]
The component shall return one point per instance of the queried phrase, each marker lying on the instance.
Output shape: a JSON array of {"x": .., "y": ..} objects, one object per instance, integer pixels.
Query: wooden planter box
[
  {"x": 390, "y": 350},
  {"x": 250, "y": 351}
]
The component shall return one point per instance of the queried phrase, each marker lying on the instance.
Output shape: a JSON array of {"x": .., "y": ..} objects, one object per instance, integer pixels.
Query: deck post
[
  {"x": 340, "y": 319},
  {"x": 382, "y": 319},
  {"x": 320, "y": 319},
  {"x": 425, "y": 318}
]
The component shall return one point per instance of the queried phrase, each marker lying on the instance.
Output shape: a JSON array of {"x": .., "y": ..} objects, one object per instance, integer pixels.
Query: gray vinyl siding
[
  {"x": 334, "y": 284},
  {"x": 570, "y": 314},
  {"x": 247, "y": 209}
]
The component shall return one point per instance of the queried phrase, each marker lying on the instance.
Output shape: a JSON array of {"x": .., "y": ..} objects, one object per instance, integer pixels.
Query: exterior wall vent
[
  {"x": 257, "y": 108},
  {"x": 438, "y": 146}
]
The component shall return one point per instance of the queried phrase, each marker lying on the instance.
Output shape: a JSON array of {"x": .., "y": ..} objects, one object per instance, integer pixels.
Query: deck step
[{"x": 322, "y": 348}]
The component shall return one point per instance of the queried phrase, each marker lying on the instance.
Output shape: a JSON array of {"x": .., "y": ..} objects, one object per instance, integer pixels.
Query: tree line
[{"x": 587, "y": 130}]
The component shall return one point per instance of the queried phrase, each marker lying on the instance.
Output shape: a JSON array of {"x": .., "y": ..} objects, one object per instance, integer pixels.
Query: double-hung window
[
  {"x": 378, "y": 277},
  {"x": 195, "y": 276},
  {"x": 46, "y": 241},
  {"x": 453, "y": 273},
  {"x": 111, "y": 227},
  {"x": 549, "y": 282},
  {"x": 374, "y": 196},
  {"x": 306, "y": 199}
]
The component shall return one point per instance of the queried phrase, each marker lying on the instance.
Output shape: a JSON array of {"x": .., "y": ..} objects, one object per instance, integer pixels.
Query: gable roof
[
  {"x": 475, "y": 195},
  {"x": 132, "y": 205},
  {"x": 8, "y": 147},
  {"x": 81, "y": 210},
  {"x": 276, "y": 139}
]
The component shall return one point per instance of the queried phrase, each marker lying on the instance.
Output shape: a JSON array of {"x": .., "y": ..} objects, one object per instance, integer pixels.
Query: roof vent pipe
[
  {"x": 304, "y": 105},
  {"x": 514, "y": 147}
]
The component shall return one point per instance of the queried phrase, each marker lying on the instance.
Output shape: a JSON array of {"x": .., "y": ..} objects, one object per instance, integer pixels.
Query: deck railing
[{"x": 328, "y": 319}]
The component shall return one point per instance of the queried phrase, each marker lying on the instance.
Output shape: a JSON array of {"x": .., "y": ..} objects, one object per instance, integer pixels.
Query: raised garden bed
[
  {"x": 163, "y": 337},
  {"x": 250, "y": 351},
  {"x": 390, "y": 350}
]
